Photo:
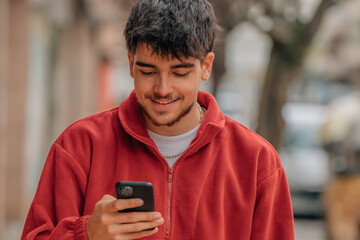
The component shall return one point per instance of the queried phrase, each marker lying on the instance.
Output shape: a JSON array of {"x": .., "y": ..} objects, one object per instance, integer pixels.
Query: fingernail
[
  {"x": 160, "y": 221},
  {"x": 157, "y": 215},
  {"x": 139, "y": 202}
]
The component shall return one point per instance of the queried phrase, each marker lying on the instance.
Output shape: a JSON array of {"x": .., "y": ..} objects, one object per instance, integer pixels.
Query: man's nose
[{"x": 163, "y": 85}]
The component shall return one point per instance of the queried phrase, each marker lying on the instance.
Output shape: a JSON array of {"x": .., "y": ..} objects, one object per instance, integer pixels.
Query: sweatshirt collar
[{"x": 133, "y": 121}]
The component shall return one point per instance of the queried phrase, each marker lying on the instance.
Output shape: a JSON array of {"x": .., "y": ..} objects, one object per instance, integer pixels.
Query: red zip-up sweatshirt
[{"x": 229, "y": 184}]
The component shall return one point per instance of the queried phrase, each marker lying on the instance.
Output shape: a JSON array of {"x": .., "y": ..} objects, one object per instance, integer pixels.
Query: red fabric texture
[{"x": 229, "y": 184}]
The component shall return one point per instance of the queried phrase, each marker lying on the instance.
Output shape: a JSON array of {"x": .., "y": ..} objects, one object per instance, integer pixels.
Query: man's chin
[
  {"x": 163, "y": 122},
  {"x": 164, "y": 118}
]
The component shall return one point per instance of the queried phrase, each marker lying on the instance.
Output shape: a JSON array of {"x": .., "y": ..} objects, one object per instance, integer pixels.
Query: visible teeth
[{"x": 163, "y": 102}]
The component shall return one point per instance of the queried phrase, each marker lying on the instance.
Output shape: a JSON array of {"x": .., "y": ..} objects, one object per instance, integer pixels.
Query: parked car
[{"x": 305, "y": 161}]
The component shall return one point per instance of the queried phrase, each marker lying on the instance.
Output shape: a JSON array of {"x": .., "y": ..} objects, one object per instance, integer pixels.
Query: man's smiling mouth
[{"x": 164, "y": 103}]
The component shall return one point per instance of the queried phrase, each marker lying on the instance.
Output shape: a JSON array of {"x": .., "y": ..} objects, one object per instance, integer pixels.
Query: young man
[{"x": 213, "y": 178}]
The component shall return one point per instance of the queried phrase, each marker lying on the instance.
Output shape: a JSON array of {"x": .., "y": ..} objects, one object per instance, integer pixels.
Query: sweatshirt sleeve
[
  {"x": 273, "y": 217},
  {"x": 57, "y": 209}
]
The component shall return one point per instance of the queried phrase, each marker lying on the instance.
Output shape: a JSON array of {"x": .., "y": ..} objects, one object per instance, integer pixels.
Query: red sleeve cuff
[{"x": 80, "y": 229}]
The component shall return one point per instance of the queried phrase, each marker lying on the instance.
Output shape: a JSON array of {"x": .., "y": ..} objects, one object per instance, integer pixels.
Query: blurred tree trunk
[
  {"x": 287, "y": 55},
  {"x": 229, "y": 14},
  {"x": 219, "y": 62},
  {"x": 274, "y": 95}
]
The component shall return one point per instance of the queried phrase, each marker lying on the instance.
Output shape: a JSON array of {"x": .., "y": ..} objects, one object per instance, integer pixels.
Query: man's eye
[
  {"x": 147, "y": 73},
  {"x": 181, "y": 74}
]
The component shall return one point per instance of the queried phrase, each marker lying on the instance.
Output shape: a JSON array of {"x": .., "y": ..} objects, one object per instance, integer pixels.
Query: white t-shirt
[{"x": 171, "y": 146}]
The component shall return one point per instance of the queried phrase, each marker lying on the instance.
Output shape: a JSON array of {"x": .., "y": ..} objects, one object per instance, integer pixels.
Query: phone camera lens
[{"x": 126, "y": 191}]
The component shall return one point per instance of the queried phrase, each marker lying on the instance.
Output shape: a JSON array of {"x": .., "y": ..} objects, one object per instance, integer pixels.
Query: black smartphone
[{"x": 143, "y": 190}]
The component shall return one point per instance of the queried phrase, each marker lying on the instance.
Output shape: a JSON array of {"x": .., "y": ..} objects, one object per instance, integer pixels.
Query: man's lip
[{"x": 163, "y": 102}]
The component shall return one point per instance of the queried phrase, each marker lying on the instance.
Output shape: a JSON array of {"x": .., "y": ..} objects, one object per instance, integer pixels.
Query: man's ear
[
  {"x": 131, "y": 64},
  {"x": 207, "y": 66}
]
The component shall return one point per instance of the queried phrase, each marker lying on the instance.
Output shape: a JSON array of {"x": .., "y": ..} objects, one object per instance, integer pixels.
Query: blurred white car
[{"x": 305, "y": 161}]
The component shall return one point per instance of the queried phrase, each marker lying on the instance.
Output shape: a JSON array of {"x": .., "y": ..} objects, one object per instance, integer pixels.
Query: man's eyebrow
[
  {"x": 142, "y": 64},
  {"x": 183, "y": 65}
]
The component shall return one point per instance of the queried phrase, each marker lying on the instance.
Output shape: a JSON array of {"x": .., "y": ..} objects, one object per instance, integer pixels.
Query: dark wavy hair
[{"x": 172, "y": 28}]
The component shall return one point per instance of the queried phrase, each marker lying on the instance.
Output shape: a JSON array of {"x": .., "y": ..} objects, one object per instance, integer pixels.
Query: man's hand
[{"x": 107, "y": 223}]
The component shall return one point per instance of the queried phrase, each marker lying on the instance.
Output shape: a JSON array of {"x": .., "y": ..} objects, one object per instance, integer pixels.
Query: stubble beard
[{"x": 170, "y": 123}]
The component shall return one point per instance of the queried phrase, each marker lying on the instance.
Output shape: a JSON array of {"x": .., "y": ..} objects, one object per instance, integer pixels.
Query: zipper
[{"x": 170, "y": 173}]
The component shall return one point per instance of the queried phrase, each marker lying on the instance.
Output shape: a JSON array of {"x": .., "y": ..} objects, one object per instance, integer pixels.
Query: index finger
[{"x": 121, "y": 204}]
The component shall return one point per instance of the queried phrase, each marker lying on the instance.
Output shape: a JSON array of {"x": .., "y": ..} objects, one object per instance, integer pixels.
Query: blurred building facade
[
  {"x": 13, "y": 85},
  {"x": 58, "y": 62}
]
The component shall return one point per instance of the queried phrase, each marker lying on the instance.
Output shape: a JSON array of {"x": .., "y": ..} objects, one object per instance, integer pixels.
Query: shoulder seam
[
  {"x": 66, "y": 151},
  {"x": 270, "y": 176}
]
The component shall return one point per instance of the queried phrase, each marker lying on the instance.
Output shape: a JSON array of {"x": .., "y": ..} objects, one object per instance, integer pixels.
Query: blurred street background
[{"x": 287, "y": 69}]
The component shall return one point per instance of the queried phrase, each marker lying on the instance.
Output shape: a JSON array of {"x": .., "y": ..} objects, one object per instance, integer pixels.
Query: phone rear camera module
[{"x": 126, "y": 191}]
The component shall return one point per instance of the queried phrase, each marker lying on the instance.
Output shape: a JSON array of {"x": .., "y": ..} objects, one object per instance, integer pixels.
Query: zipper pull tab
[{"x": 170, "y": 172}]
